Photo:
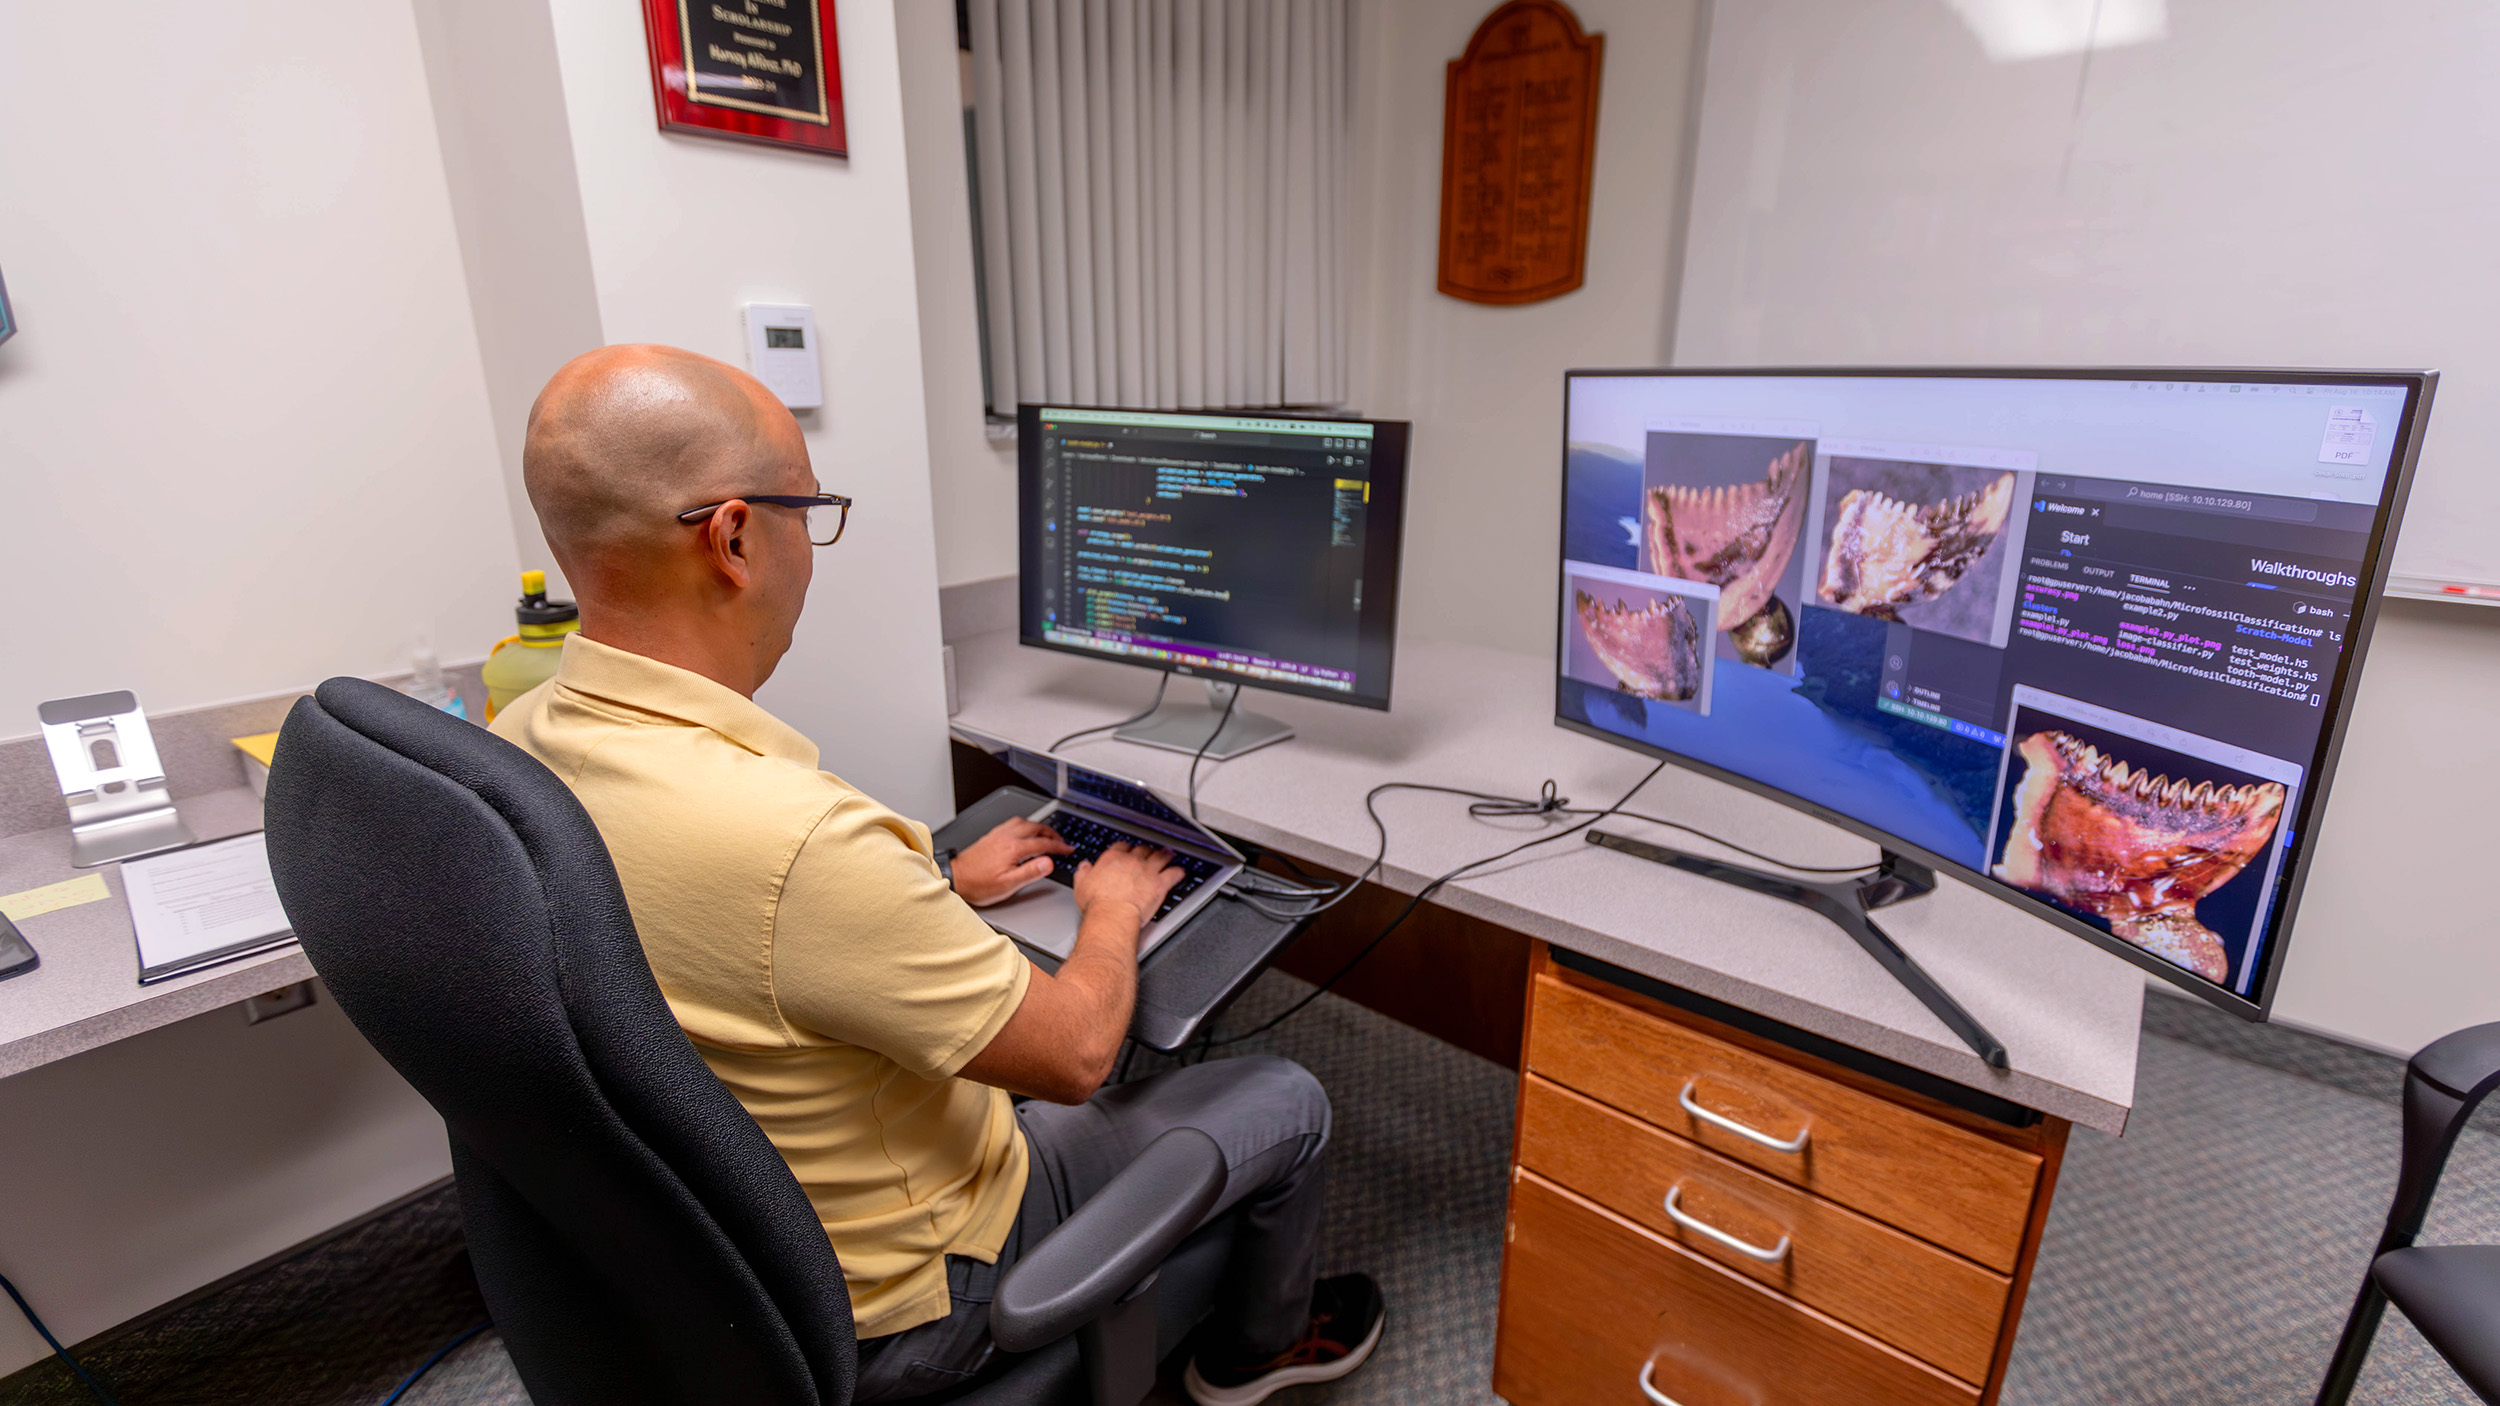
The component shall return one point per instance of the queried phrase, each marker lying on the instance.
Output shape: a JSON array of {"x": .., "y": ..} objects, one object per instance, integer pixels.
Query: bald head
[{"x": 626, "y": 437}]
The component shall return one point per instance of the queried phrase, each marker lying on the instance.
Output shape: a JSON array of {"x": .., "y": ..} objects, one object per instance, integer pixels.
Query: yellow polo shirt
[{"x": 806, "y": 942}]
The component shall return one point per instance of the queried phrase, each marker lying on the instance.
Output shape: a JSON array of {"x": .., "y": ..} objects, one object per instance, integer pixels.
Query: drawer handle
[
  {"x": 1752, "y": 1135},
  {"x": 1651, "y": 1391},
  {"x": 1712, "y": 1233}
]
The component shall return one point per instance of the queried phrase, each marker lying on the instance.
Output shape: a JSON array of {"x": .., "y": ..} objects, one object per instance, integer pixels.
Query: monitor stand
[
  {"x": 1183, "y": 727},
  {"x": 1846, "y": 903}
]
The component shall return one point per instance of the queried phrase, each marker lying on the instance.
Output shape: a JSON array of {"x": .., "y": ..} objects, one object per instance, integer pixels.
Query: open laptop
[{"x": 1094, "y": 810}]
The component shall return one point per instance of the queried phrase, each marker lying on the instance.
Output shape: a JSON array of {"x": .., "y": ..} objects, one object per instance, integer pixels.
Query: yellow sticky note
[
  {"x": 68, "y": 893},
  {"x": 260, "y": 747}
]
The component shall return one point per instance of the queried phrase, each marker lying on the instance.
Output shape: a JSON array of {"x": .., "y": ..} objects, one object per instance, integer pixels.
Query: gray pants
[{"x": 1271, "y": 1119}]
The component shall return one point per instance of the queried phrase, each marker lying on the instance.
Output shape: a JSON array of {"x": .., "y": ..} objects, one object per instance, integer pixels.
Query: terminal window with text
[
  {"x": 1254, "y": 549},
  {"x": 2084, "y": 638}
]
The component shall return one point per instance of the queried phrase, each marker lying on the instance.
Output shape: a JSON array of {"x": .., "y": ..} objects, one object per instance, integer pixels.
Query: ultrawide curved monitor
[
  {"x": 2086, "y": 639},
  {"x": 1243, "y": 548}
]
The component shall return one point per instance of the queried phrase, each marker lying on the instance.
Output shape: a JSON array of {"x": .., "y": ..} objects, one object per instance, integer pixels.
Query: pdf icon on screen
[{"x": 2349, "y": 430}]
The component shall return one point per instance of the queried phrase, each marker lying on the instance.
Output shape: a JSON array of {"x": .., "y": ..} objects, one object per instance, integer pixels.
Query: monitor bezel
[
  {"x": 2419, "y": 385},
  {"x": 1387, "y": 434}
]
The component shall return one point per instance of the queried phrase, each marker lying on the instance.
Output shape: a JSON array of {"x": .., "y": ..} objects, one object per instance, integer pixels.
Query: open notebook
[{"x": 203, "y": 904}]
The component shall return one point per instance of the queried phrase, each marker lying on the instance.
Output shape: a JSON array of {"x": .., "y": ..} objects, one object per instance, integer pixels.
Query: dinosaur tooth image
[
  {"x": 1886, "y": 554},
  {"x": 1654, "y": 651},
  {"x": 2133, "y": 848},
  {"x": 1737, "y": 537}
]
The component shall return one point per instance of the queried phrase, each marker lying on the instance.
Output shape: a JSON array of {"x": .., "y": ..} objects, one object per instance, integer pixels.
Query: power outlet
[{"x": 270, "y": 1005}]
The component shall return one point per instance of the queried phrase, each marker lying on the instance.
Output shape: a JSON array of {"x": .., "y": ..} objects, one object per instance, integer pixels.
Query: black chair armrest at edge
[
  {"x": 2448, "y": 1291},
  {"x": 1092, "y": 1275}
]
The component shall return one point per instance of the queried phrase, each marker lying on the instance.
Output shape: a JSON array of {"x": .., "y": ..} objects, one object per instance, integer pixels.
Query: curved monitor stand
[{"x": 1846, "y": 903}]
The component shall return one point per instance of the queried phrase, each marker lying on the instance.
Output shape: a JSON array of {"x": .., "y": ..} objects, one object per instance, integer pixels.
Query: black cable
[
  {"x": 1161, "y": 683},
  {"x": 55, "y": 1344},
  {"x": 1547, "y": 803},
  {"x": 428, "y": 1365},
  {"x": 1485, "y": 806},
  {"x": 1231, "y": 702}
]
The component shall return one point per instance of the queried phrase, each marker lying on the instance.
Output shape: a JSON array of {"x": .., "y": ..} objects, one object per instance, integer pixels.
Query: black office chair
[
  {"x": 2451, "y": 1292},
  {"x": 636, "y": 1236}
]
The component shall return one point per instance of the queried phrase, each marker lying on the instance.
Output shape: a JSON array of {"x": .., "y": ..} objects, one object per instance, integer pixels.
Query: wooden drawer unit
[
  {"x": 1899, "y": 1164},
  {"x": 1598, "y": 1311},
  {"x": 1933, "y": 1304},
  {"x": 1752, "y": 1213}
]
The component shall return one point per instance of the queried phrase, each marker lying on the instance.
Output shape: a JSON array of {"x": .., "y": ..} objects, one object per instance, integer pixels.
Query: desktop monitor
[
  {"x": 2084, "y": 639},
  {"x": 1239, "y": 548}
]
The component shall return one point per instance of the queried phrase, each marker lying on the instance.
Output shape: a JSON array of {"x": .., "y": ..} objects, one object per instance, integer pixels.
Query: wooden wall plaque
[{"x": 1518, "y": 145}]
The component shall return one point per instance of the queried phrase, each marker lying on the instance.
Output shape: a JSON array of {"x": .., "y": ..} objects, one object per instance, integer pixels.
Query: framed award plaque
[{"x": 753, "y": 70}]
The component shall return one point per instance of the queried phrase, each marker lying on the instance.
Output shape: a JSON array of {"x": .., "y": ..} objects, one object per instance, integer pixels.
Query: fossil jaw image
[
  {"x": 1886, "y": 554},
  {"x": 1654, "y": 651},
  {"x": 1735, "y": 537},
  {"x": 2135, "y": 849}
]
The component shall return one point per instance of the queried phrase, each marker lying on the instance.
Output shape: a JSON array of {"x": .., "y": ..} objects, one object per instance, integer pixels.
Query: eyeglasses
[{"x": 819, "y": 507}]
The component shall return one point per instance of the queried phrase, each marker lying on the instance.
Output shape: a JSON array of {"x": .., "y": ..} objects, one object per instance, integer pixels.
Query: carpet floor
[{"x": 2208, "y": 1256}]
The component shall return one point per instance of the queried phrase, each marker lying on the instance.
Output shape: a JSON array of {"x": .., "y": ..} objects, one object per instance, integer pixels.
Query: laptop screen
[{"x": 1100, "y": 790}]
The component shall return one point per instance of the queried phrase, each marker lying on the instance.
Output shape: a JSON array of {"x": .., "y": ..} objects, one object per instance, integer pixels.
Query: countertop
[
  {"x": 86, "y": 993},
  {"x": 1482, "y": 718}
]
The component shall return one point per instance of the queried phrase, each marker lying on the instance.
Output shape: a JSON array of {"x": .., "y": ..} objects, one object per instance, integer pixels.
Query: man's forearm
[{"x": 1103, "y": 967}]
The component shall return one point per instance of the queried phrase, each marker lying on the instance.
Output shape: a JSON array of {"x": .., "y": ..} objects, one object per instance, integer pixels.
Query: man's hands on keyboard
[
  {"x": 1136, "y": 875},
  {"x": 1002, "y": 862},
  {"x": 1088, "y": 839}
]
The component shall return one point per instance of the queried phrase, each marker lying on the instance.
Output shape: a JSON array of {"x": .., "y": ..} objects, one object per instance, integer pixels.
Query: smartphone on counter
[{"x": 16, "y": 954}]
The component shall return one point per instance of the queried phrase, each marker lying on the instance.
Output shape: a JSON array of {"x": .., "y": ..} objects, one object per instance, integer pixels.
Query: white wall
[
  {"x": 683, "y": 231},
  {"x": 972, "y": 478},
  {"x": 244, "y": 444},
  {"x": 1484, "y": 384},
  {"x": 242, "y": 432},
  {"x": 516, "y": 200}
]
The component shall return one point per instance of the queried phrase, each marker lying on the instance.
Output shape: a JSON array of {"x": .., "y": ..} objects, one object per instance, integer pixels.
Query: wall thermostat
[{"x": 781, "y": 351}]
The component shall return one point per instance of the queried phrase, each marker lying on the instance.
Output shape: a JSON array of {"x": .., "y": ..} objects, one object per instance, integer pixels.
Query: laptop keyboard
[{"x": 1092, "y": 837}]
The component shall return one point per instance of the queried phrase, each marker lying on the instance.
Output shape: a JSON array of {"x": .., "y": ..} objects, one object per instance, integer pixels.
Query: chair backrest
[{"x": 636, "y": 1236}]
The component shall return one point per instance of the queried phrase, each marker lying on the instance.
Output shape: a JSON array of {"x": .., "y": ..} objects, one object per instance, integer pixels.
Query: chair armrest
[
  {"x": 1112, "y": 1243},
  {"x": 2447, "y": 1079},
  {"x": 2465, "y": 1064}
]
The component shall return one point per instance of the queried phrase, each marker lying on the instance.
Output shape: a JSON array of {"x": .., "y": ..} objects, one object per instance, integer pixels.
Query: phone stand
[{"x": 111, "y": 778}]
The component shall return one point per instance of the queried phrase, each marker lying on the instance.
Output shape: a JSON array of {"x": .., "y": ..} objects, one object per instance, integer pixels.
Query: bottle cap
[{"x": 536, "y": 609}]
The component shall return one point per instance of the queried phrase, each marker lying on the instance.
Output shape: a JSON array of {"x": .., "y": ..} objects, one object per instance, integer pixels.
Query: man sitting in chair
[{"x": 825, "y": 966}]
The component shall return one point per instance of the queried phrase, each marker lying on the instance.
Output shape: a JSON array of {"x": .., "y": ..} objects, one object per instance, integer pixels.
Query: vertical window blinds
[{"x": 1160, "y": 190}]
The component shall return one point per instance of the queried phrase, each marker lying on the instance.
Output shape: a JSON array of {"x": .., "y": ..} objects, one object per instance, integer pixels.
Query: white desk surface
[
  {"x": 86, "y": 993},
  {"x": 1483, "y": 719}
]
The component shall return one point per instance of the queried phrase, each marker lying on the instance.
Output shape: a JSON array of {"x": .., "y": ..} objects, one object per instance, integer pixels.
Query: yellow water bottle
[{"x": 528, "y": 659}]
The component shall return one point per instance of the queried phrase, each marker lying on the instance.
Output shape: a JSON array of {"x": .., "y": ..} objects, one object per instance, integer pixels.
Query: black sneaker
[{"x": 1346, "y": 1316}]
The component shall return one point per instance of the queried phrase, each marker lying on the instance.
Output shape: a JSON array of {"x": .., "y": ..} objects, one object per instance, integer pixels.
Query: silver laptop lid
[{"x": 1134, "y": 802}]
